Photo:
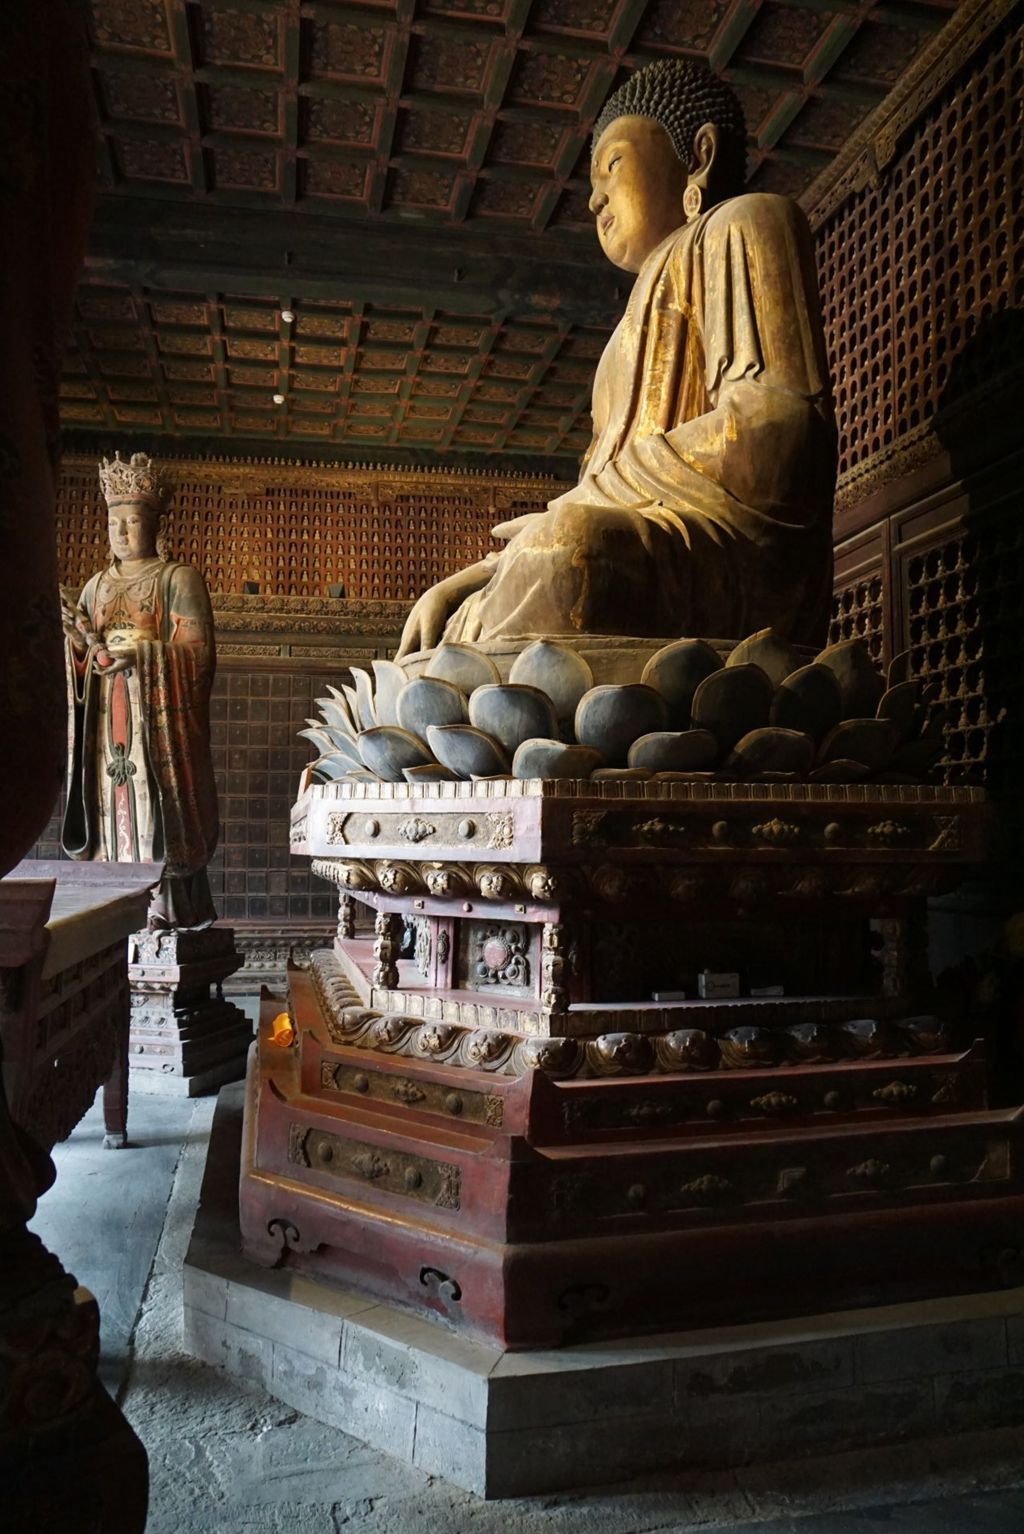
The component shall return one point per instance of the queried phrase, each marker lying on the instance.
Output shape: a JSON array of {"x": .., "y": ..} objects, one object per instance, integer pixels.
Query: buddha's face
[
  {"x": 638, "y": 181},
  {"x": 132, "y": 530}
]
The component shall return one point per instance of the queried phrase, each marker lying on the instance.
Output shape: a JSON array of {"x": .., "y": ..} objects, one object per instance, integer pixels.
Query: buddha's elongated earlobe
[{"x": 705, "y": 146}]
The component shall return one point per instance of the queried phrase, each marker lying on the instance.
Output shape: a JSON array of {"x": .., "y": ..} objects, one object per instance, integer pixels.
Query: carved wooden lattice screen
[
  {"x": 922, "y": 281},
  {"x": 858, "y": 613},
  {"x": 912, "y": 272},
  {"x": 965, "y": 605}
]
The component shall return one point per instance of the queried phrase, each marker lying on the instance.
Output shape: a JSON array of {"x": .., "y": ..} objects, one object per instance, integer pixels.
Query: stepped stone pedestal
[
  {"x": 185, "y": 1038},
  {"x": 506, "y": 1424}
]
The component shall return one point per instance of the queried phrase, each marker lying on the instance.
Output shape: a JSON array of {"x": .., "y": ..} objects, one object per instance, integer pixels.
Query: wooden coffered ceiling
[{"x": 408, "y": 178}]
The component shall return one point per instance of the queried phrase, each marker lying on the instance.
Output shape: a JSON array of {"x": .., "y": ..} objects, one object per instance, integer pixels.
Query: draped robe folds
[
  {"x": 140, "y": 772},
  {"x": 705, "y": 501}
]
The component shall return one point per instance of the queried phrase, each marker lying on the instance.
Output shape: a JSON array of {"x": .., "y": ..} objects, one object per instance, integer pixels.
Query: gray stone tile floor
[{"x": 224, "y": 1460}]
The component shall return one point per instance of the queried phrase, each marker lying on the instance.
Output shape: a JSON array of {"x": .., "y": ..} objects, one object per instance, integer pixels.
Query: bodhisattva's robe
[
  {"x": 705, "y": 503},
  {"x": 140, "y": 772}
]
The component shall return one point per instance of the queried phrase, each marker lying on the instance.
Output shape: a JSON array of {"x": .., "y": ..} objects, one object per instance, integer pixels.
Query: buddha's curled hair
[{"x": 682, "y": 95}]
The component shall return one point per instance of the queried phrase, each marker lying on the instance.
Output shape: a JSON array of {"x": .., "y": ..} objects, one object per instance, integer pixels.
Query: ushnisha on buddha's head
[
  {"x": 135, "y": 500},
  {"x": 669, "y": 145}
]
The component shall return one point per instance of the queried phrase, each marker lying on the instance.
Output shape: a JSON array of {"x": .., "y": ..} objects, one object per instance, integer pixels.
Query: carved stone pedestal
[
  {"x": 185, "y": 1039},
  {"x": 500, "y": 1111}
]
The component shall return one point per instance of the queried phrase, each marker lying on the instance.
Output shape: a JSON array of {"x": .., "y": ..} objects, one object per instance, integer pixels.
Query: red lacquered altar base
[{"x": 531, "y": 1212}]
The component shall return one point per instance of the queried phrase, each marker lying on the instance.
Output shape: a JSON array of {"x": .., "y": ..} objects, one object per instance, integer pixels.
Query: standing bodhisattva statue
[
  {"x": 140, "y": 662},
  {"x": 705, "y": 502}
]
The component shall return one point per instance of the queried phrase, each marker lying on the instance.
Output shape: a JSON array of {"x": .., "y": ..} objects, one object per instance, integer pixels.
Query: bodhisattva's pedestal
[
  {"x": 184, "y": 1040},
  {"x": 497, "y": 1111}
]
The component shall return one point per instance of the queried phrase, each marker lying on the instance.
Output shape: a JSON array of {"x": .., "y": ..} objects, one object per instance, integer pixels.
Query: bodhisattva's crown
[{"x": 136, "y": 480}]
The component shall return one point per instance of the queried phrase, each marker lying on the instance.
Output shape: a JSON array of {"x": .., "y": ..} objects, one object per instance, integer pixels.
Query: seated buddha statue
[
  {"x": 704, "y": 504},
  {"x": 140, "y": 664}
]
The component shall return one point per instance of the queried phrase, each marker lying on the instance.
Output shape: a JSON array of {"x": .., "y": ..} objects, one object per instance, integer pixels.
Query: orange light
[{"x": 281, "y": 1031}]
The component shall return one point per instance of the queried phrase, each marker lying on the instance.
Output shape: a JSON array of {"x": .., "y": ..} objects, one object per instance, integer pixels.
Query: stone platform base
[
  {"x": 515, "y": 1424},
  {"x": 184, "y": 1041},
  {"x": 147, "y": 1083}
]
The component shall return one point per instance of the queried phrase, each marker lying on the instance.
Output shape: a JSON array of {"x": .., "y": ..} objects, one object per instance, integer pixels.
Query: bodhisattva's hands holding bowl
[
  {"x": 111, "y": 664},
  {"x": 118, "y": 651}
]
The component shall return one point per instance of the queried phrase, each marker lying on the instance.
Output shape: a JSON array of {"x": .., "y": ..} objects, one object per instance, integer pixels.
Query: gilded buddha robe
[
  {"x": 140, "y": 772},
  {"x": 705, "y": 502}
]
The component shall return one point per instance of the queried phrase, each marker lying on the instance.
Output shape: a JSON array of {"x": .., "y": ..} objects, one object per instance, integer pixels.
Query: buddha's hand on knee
[
  {"x": 506, "y": 530},
  {"x": 425, "y": 624}
]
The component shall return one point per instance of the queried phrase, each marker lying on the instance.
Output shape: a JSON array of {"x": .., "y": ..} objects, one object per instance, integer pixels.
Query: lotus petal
[
  {"x": 918, "y": 757},
  {"x": 390, "y": 679},
  {"x": 426, "y": 700},
  {"x": 610, "y": 718},
  {"x": 676, "y": 671},
  {"x": 557, "y": 671},
  {"x": 336, "y": 717},
  {"x": 331, "y": 768},
  {"x": 319, "y": 736},
  {"x": 865, "y": 1037},
  {"x": 683, "y": 777},
  {"x": 901, "y": 705},
  {"x": 541, "y": 758},
  {"x": 464, "y": 666},
  {"x": 860, "y": 681},
  {"x": 839, "y": 771},
  {"x": 353, "y": 705},
  {"x": 364, "y": 697},
  {"x": 807, "y": 1043},
  {"x": 468, "y": 752},
  {"x": 776, "y": 657},
  {"x": 732, "y": 702},
  {"x": 620, "y": 775},
  {"x": 340, "y": 697},
  {"x": 434, "y": 773},
  {"x": 859, "y": 740},
  {"x": 900, "y": 669},
  {"x": 344, "y": 745},
  {"x": 387, "y": 751},
  {"x": 808, "y": 700},
  {"x": 748, "y": 1048},
  {"x": 675, "y": 751},
  {"x": 771, "y": 749},
  {"x": 929, "y": 1035},
  {"x": 512, "y": 713}
]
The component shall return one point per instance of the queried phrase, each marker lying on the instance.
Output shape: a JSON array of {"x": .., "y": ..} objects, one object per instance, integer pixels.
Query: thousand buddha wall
[{"x": 920, "y": 243}]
